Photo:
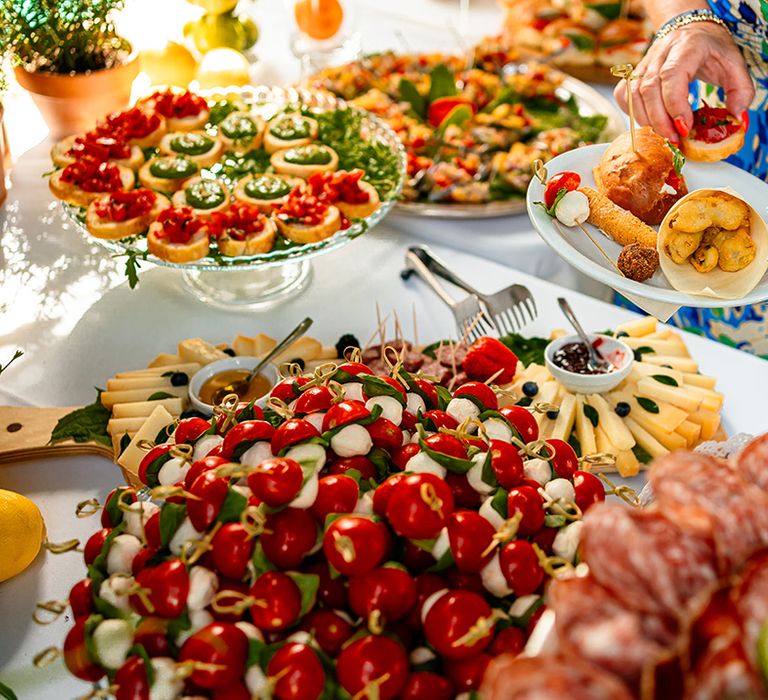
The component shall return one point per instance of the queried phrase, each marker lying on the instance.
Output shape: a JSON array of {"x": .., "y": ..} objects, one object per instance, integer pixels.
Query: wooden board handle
[{"x": 26, "y": 430}]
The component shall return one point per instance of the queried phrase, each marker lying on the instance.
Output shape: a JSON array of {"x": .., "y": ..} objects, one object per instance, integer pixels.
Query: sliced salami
[
  {"x": 724, "y": 672},
  {"x": 752, "y": 462},
  {"x": 644, "y": 560},
  {"x": 548, "y": 678},
  {"x": 750, "y": 598},
  {"x": 705, "y": 496},
  {"x": 592, "y": 624}
]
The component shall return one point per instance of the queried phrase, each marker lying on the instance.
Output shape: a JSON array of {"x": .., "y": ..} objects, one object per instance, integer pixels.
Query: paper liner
[{"x": 717, "y": 283}]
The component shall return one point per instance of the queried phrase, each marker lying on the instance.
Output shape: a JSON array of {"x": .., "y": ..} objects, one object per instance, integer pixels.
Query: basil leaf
[
  {"x": 7, "y": 693},
  {"x": 642, "y": 456},
  {"x": 381, "y": 461},
  {"x": 452, "y": 464},
  {"x": 443, "y": 562},
  {"x": 442, "y": 83},
  {"x": 124, "y": 442},
  {"x": 307, "y": 585},
  {"x": 87, "y": 424},
  {"x": 648, "y": 404},
  {"x": 678, "y": 159},
  {"x": 581, "y": 42},
  {"x": 160, "y": 395},
  {"x": 551, "y": 210},
  {"x": 100, "y": 562},
  {"x": 139, "y": 650},
  {"x": 376, "y": 386},
  {"x": 409, "y": 93},
  {"x": 443, "y": 396},
  {"x": 260, "y": 561},
  {"x": 608, "y": 10},
  {"x": 90, "y": 626},
  {"x": 171, "y": 517},
  {"x": 665, "y": 379},
  {"x": 500, "y": 503},
  {"x": 233, "y": 506},
  {"x": 591, "y": 413},
  {"x": 642, "y": 350},
  {"x": 179, "y": 625},
  {"x": 488, "y": 474},
  {"x": 527, "y": 350}
]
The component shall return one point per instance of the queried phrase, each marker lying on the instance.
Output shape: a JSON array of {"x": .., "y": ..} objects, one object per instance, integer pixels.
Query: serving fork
[
  {"x": 509, "y": 309},
  {"x": 471, "y": 321}
]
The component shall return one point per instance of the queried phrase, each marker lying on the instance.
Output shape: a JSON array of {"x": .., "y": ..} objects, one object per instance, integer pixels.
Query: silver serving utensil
[{"x": 595, "y": 361}]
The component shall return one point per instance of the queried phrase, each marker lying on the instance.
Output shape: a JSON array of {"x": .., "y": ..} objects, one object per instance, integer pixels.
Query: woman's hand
[{"x": 704, "y": 51}]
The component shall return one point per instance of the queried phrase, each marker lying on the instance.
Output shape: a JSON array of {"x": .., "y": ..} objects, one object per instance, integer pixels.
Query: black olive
[
  {"x": 179, "y": 379},
  {"x": 346, "y": 341},
  {"x": 192, "y": 413},
  {"x": 553, "y": 414},
  {"x": 530, "y": 389},
  {"x": 622, "y": 334},
  {"x": 622, "y": 409},
  {"x": 298, "y": 361},
  {"x": 229, "y": 351}
]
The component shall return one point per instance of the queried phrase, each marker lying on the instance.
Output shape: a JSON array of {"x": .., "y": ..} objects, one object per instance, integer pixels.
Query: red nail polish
[
  {"x": 681, "y": 126},
  {"x": 745, "y": 119}
]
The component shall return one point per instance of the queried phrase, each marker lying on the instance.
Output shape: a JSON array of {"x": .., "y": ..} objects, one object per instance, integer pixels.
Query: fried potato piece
[
  {"x": 681, "y": 245},
  {"x": 720, "y": 210},
  {"x": 737, "y": 250},
  {"x": 705, "y": 258}
]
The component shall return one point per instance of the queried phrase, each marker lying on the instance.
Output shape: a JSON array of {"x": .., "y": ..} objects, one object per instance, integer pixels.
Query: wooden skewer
[
  {"x": 624, "y": 71},
  {"x": 597, "y": 245},
  {"x": 624, "y": 9}
]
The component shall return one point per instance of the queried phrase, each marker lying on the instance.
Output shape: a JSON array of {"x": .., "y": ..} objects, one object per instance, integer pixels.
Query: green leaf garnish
[
  {"x": 678, "y": 159},
  {"x": 648, "y": 404},
  {"x": 87, "y": 424},
  {"x": 591, "y": 413},
  {"x": 442, "y": 83},
  {"x": 665, "y": 379}
]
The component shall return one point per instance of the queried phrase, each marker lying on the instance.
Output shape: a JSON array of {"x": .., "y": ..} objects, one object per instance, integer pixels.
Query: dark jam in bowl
[{"x": 574, "y": 357}]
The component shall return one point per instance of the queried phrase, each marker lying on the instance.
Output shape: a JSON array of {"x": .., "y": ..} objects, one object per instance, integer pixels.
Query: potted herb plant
[{"x": 69, "y": 56}]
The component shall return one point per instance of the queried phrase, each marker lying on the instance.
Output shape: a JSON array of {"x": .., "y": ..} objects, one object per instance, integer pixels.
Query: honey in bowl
[{"x": 213, "y": 390}]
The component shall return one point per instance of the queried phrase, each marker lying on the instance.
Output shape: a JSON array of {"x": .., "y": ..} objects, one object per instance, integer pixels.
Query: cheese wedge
[
  {"x": 547, "y": 394},
  {"x": 683, "y": 364},
  {"x": 306, "y": 348},
  {"x": 164, "y": 359},
  {"x": 200, "y": 351},
  {"x": 692, "y": 379},
  {"x": 609, "y": 422},
  {"x": 158, "y": 383},
  {"x": 188, "y": 367},
  {"x": 670, "y": 440},
  {"x": 650, "y": 444},
  {"x": 638, "y": 326},
  {"x": 709, "y": 422},
  {"x": 602, "y": 441},
  {"x": 640, "y": 370},
  {"x": 585, "y": 432},
  {"x": 119, "y": 426},
  {"x": 661, "y": 334},
  {"x": 690, "y": 431},
  {"x": 710, "y": 400},
  {"x": 682, "y": 397},
  {"x": 660, "y": 347},
  {"x": 627, "y": 464},
  {"x": 131, "y": 458},
  {"x": 563, "y": 425},
  {"x": 110, "y": 398},
  {"x": 667, "y": 419},
  {"x": 142, "y": 409}
]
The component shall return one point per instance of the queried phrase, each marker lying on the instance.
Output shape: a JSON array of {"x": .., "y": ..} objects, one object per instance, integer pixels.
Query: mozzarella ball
[
  {"x": 522, "y": 605},
  {"x": 115, "y": 591},
  {"x": 308, "y": 454},
  {"x": 173, "y": 471},
  {"x": 352, "y": 440},
  {"x": 197, "y": 620},
  {"x": 136, "y": 517},
  {"x": 566, "y": 542},
  {"x": 365, "y": 504},
  {"x": 422, "y": 463},
  {"x": 316, "y": 420},
  {"x": 182, "y": 537},
  {"x": 204, "y": 445},
  {"x": 572, "y": 209},
  {"x": 493, "y": 578},
  {"x": 308, "y": 493},
  {"x": 122, "y": 551},
  {"x": 490, "y": 513},
  {"x": 391, "y": 408},
  {"x": 422, "y": 655},
  {"x": 560, "y": 488},
  {"x": 168, "y": 683},
  {"x": 256, "y": 454},
  {"x": 414, "y": 403},
  {"x": 496, "y": 429},
  {"x": 203, "y": 584},
  {"x": 461, "y": 409},
  {"x": 475, "y": 475},
  {"x": 112, "y": 639},
  {"x": 257, "y": 682},
  {"x": 537, "y": 470},
  {"x": 250, "y": 630},
  {"x": 353, "y": 391},
  {"x": 442, "y": 545}
]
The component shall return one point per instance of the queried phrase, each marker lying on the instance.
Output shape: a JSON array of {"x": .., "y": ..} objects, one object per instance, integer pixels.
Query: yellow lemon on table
[
  {"x": 222, "y": 31},
  {"x": 22, "y": 532},
  {"x": 171, "y": 64},
  {"x": 223, "y": 67},
  {"x": 215, "y": 7}
]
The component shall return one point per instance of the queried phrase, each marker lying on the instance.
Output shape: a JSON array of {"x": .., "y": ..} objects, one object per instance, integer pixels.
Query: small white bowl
[
  {"x": 614, "y": 351},
  {"x": 241, "y": 362}
]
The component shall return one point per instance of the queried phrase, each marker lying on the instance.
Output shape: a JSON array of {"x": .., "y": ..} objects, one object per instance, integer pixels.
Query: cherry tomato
[
  {"x": 243, "y": 411},
  {"x": 81, "y": 598},
  {"x": 76, "y": 656},
  {"x": 210, "y": 493},
  {"x": 428, "y": 392},
  {"x": 384, "y": 491},
  {"x": 387, "y": 590},
  {"x": 152, "y": 531},
  {"x": 447, "y": 445},
  {"x": 243, "y": 436},
  {"x": 426, "y": 585},
  {"x": 353, "y": 369},
  {"x": 397, "y": 386},
  {"x": 360, "y": 463},
  {"x": 464, "y": 495},
  {"x": 223, "y": 647},
  {"x": 332, "y": 592},
  {"x": 239, "y": 589},
  {"x": 142, "y": 559},
  {"x": 165, "y": 590},
  {"x": 425, "y": 685},
  {"x": 545, "y": 538},
  {"x": 151, "y": 463},
  {"x": 564, "y": 460},
  {"x": 238, "y": 691},
  {"x": 288, "y": 537},
  {"x": 373, "y": 666},
  {"x": 344, "y": 413},
  {"x": 190, "y": 429},
  {"x": 488, "y": 357},
  {"x": 589, "y": 490},
  {"x": 420, "y": 506},
  {"x": 336, "y": 493},
  {"x": 299, "y": 673},
  {"x": 288, "y": 389},
  {"x": 111, "y": 515},
  {"x": 152, "y": 634},
  {"x": 231, "y": 550},
  {"x": 385, "y": 435},
  {"x": 131, "y": 680},
  {"x": 278, "y": 601},
  {"x": 566, "y": 180},
  {"x": 401, "y": 455},
  {"x": 415, "y": 558},
  {"x": 465, "y": 581},
  {"x": 523, "y": 421},
  {"x": 329, "y": 629},
  {"x": 408, "y": 421},
  {"x": 526, "y": 500},
  {"x": 292, "y": 432},
  {"x": 520, "y": 567},
  {"x": 470, "y": 536},
  {"x": 441, "y": 419},
  {"x": 203, "y": 465},
  {"x": 355, "y": 544},
  {"x": 510, "y": 640},
  {"x": 94, "y": 545},
  {"x": 458, "y": 625},
  {"x": 277, "y": 481},
  {"x": 507, "y": 464},
  {"x": 314, "y": 399},
  {"x": 478, "y": 393},
  {"x": 467, "y": 674}
]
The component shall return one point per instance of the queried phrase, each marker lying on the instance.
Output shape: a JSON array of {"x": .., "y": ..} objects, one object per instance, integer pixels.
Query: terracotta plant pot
[{"x": 71, "y": 104}]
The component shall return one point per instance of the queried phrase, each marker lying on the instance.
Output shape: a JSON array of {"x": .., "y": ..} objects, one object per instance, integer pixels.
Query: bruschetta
[
  {"x": 124, "y": 213},
  {"x": 84, "y": 180},
  {"x": 142, "y": 127},
  {"x": 203, "y": 196},
  {"x": 197, "y": 146},
  {"x": 178, "y": 236},
  {"x": 304, "y": 161},
  {"x": 288, "y": 130},
  {"x": 243, "y": 230},
  {"x": 266, "y": 190},
  {"x": 183, "y": 111},
  {"x": 241, "y": 132},
  {"x": 355, "y": 198},
  {"x": 305, "y": 218},
  {"x": 167, "y": 173},
  {"x": 97, "y": 147}
]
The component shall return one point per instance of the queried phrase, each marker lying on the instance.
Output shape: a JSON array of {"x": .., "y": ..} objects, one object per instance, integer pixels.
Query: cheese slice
[
  {"x": 563, "y": 425},
  {"x": 243, "y": 345},
  {"x": 110, "y": 398},
  {"x": 200, "y": 351},
  {"x": 670, "y": 440},
  {"x": 640, "y": 370},
  {"x": 152, "y": 382},
  {"x": 644, "y": 325},
  {"x": 692, "y": 379},
  {"x": 120, "y": 426},
  {"x": 585, "y": 432},
  {"x": 660, "y": 347},
  {"x": 645, "y": 440},
  {"x": 164, "y": 359},
  {"x": 662, "y": 333},
  {"x": 131, "y": 458},
  {"x": 305, "y": 348},
  {"x": 188, "y": 367},
  {"x": 602, "y": 441},
  {"x": 547, "y": 394},
  {"x": 709, "y": 422},
  {"x": 683, "y": 364},
  {"x": 611, "y": 424},
  {"x": 667, "y": 419},
  {"x": 627, "y": 464},
  {"x": 710, "y": 400},
  {"x": 142, "y": 409},
  {"x": 676, "y": 395},
  {"x": 690, "y": 431}
]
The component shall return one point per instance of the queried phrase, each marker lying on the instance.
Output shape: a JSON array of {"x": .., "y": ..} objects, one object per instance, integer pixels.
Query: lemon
[
  {"x": 171, "y": 64},
  {"x": 215, "y": 7},
  {"x": 223, "y": 67},
  {"x": 22, "y": 531},
  {"x": 222, "y": 31}
]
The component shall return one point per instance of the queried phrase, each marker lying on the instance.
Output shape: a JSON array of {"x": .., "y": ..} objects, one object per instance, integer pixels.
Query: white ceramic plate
[{"x": 575, "y": 248}]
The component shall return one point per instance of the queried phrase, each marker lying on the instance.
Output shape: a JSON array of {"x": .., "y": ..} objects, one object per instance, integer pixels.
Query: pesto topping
[
  {"x": 239, "y": 127},
  {"x": 308, "y": 155},
  {"x": 172, "y": 168},
  {"x": 267, "y": 187},
  {"x": 192, "y": 144},
  {"x": 205, "y": 194},
  {"x": 291, "y": 127}
]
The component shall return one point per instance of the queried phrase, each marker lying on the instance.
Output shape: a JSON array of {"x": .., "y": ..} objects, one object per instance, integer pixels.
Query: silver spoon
[
  {"x": 240, "y": 386},
  {"x": 595, "y": 361}
]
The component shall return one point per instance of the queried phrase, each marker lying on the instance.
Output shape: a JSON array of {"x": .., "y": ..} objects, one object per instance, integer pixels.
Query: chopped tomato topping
[
  {"x": 302, "y": 208},
  {"x": 238, "y": 222},
  {"x": 417, "y": 163},
  {"x": 122, "y": 205},
  {"x": 713, "y": 124},
  {"x": 179, "y": 224},
  {"x": 134, "y": 123},
  {"x": 92, "y": 176},
  {"x": 100, "y": 147},
  {"x": 182, "y": 104},
  {"x": 340, "y": 186}
]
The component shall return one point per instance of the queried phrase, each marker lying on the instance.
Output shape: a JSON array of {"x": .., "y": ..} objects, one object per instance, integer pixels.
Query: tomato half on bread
[{"x": 714, "y": 135}]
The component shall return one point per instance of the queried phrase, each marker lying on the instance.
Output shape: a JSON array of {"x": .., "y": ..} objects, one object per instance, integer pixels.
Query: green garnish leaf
[
  {"x": 409, "y": 93},
  {"x": 15, "y": 357},
  {"x": 551, "y": 210},
  {"x": 581, "y": 42},
  {"x": 87, "y": 424},
  {"x": 648, "y": 404},
  {"x": 171, "y": 517},
  {"x": 591, "y": 413},
  {"x": 6, "y": 692},
  {"x": 665, "y": 379},
  {"x": 678, "y": 159},
  {"x": 642, "y": 456},
  {"x": 233, "y": 507},
  {"x": 608, "y": 10},
  {"x": 500, "y": 503},
  {"x": 442, "y": 83},
  {"x": 527, "y": 350},
  {"x": 642, "y": 350},
  {"x": 308, "y": 585},
  {"x": 159, "y": 396}
]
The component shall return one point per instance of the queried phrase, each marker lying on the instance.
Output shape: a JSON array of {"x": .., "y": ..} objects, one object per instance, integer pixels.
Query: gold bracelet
[{"x": 687, "y": 18}]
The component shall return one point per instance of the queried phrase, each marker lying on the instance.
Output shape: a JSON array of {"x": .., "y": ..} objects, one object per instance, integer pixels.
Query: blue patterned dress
[{"x": 742, "y": 327}]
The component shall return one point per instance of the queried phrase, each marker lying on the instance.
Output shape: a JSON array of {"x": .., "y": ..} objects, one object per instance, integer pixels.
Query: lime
[{"x": 222, "y": 31}]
